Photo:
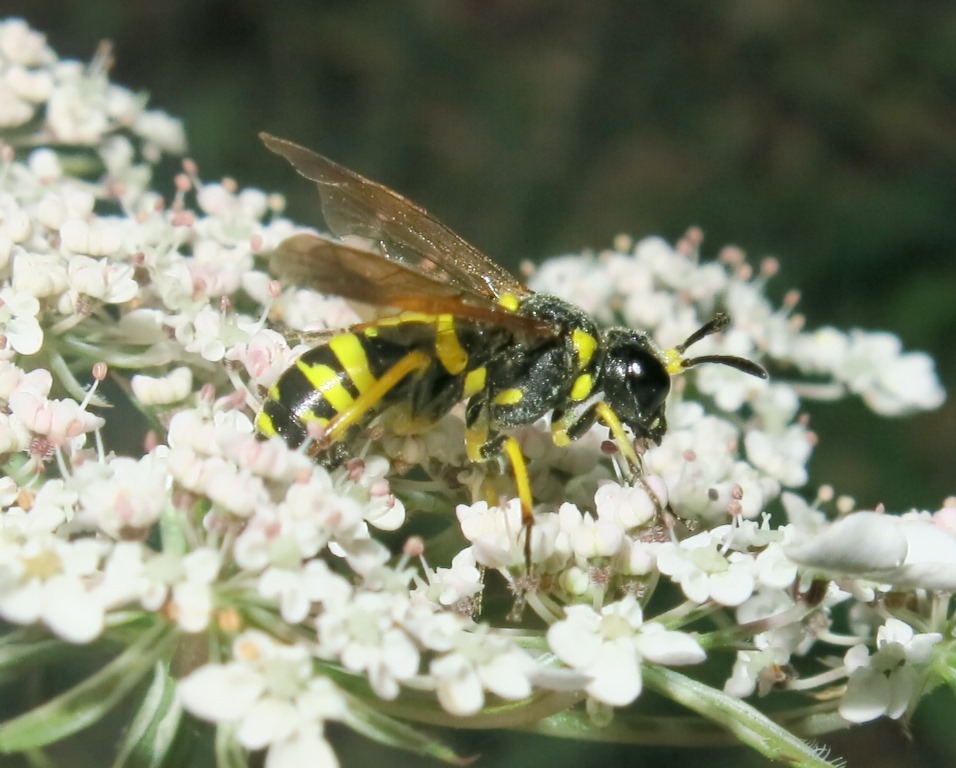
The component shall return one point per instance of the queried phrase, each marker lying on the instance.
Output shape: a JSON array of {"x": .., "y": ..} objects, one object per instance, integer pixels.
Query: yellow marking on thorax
[
  {"x": 475, "y": 382},
  {"x": 582, "y": 387},
  {"x": 584, "y": 344},
  {"x": 509, "y": 396},
  {"x": 348, "y": 348},
  {"x": 509, "y": 301},
  {"x": 326, "y": 381},
  {"x": 476, "y": 436},
  {"x": 448, "y": 347}
]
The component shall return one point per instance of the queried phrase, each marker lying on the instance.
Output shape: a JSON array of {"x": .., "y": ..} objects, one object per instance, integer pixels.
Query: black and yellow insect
[{"x": 464, "y": 329}]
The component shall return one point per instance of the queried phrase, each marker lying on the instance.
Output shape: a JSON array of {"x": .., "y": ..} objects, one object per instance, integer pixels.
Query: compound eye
[{"x": 648, "y": 383}]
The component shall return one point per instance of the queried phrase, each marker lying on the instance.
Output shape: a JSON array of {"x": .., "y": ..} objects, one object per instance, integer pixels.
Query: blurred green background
[{"x": 822, "y": 133}]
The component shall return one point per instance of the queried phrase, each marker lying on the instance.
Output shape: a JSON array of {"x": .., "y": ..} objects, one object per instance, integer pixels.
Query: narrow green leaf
[
  {"x": 228, "y": 752},
  {"x": 23, "y": 648},
  {"x": 746, "y": 723},
  {"x": 152, "y": 732},
  {"x": 394, "y": 733},
  {"x": 88, "y": 701}
]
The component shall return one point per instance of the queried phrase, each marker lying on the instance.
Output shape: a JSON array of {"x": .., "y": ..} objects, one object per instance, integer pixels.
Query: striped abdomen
[{"x": 356, "y": 376}]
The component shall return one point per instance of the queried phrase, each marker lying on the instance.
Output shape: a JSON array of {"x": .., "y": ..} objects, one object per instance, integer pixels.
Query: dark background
[{"x": 822, "y": 133}]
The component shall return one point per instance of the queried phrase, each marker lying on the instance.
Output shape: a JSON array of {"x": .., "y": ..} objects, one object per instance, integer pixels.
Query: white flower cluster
[{"x": 284, "y": 572}]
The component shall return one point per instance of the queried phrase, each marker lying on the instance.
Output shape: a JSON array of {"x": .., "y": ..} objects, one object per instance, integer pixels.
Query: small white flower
[
  {"x": 480, "y": 662},
  {"x": 162, "y": 133},
  {"x": 269, "y": 694},
  {"x": 184, "y": 584},
  {"x": 126, "y": 497},
  {"x": 756, "y": 670},
  {"x": 781, "y": 455},
  {"x": 39, "y": 274},
  {"x": 608, "y": 647},
  {"x": 885, "y": 683},
  {"x": 101, "y": 237},
  {"x": 494, "y": 533},
  {"x": 265, "y": 356},
  {"x": 909, "y": 552},
  {"x": 16, "y": 224},
  {"x": 236, "y": 491},
  {"x": 457, "y": 584},
  {"x": 705, "y": 572},
  {"x": 22, "y": 45},
  {"x": 18, "y": 321},
  {"x": 191, "y": 599},
  {"x": 58, "y": 420},
  {"x": 296, "y": 590},
  {"x": 628, "y": 505},
  {"x": 590, "y": 537},
  {"x": 101, "y": 280},
  {"x": 48, "y": 579},
  {"x": 365, "y": 637},
  {"x": 174, "y": 387}
]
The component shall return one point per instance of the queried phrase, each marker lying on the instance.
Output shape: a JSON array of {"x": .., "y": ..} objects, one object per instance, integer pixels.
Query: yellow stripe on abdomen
[
  {"x": 448, "y": 346},
  {"x": 348, "y": 349},
  {"x": 326, "y": 381},
  {"x": 264, "y": 425}
]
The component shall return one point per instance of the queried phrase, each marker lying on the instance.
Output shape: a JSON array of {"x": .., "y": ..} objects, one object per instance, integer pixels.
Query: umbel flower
[{"x": 266, "y": 595}]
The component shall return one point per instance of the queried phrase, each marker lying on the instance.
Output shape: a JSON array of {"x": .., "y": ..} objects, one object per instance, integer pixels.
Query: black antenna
[{"x": 720, "y": 321}]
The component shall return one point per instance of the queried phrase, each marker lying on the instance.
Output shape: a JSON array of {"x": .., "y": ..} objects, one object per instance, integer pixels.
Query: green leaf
[
  {"x": 394, "y": 733},
  {"x": 88, "y": 701},
  {"x": 152, "y": 732},
  {"x": 25, "y": 648},
  {"x": 746, "y": 723},
  {"x": 228, "y": 752}
]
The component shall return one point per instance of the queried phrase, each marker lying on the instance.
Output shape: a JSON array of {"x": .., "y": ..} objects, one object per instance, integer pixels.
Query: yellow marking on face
[
  {"x": 264, "y": 425},
  {"x": 509, "y": 301},
  {"x": 448, "y": 347},
  {"x": 326, "y": 381},
  {"x": 475, "y": 382},
  {"x": 582, "y": 386},
  {"x": 673, "y": 362},
  {"x": 351, "y": 354},
  {"x": 584, "y": 344},
  {"x": 371, "y": 332},
  {"x": 273, "y": 391},
  {"x": 509, "y": 396}
]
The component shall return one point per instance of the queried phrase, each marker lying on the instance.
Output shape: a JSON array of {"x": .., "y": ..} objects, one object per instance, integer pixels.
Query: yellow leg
[
  {"x": 520, "y": 471},
  {"x": 371, "y": 397},
  {"x": 610, "y": 419},
  {"x": 623, "y": 442}
]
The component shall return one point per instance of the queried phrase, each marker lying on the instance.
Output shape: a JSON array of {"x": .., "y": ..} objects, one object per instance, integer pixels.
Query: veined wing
[
  {"x": 333, "y": 267},
  {"x": 407, "y": 233}
]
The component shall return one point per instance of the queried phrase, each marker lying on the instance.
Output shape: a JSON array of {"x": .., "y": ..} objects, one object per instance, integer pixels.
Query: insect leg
[
  {"x": 523, "y": 484},
  {"x": 482, "y": 445},
  {"x": 359, "y": 408},
  {"x": 607, "y": 415}
]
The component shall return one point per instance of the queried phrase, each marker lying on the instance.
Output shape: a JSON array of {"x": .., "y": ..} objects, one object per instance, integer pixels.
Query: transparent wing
[
  {"x": 406, "y": 233},
  {"x": 336, "y": 268}
]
